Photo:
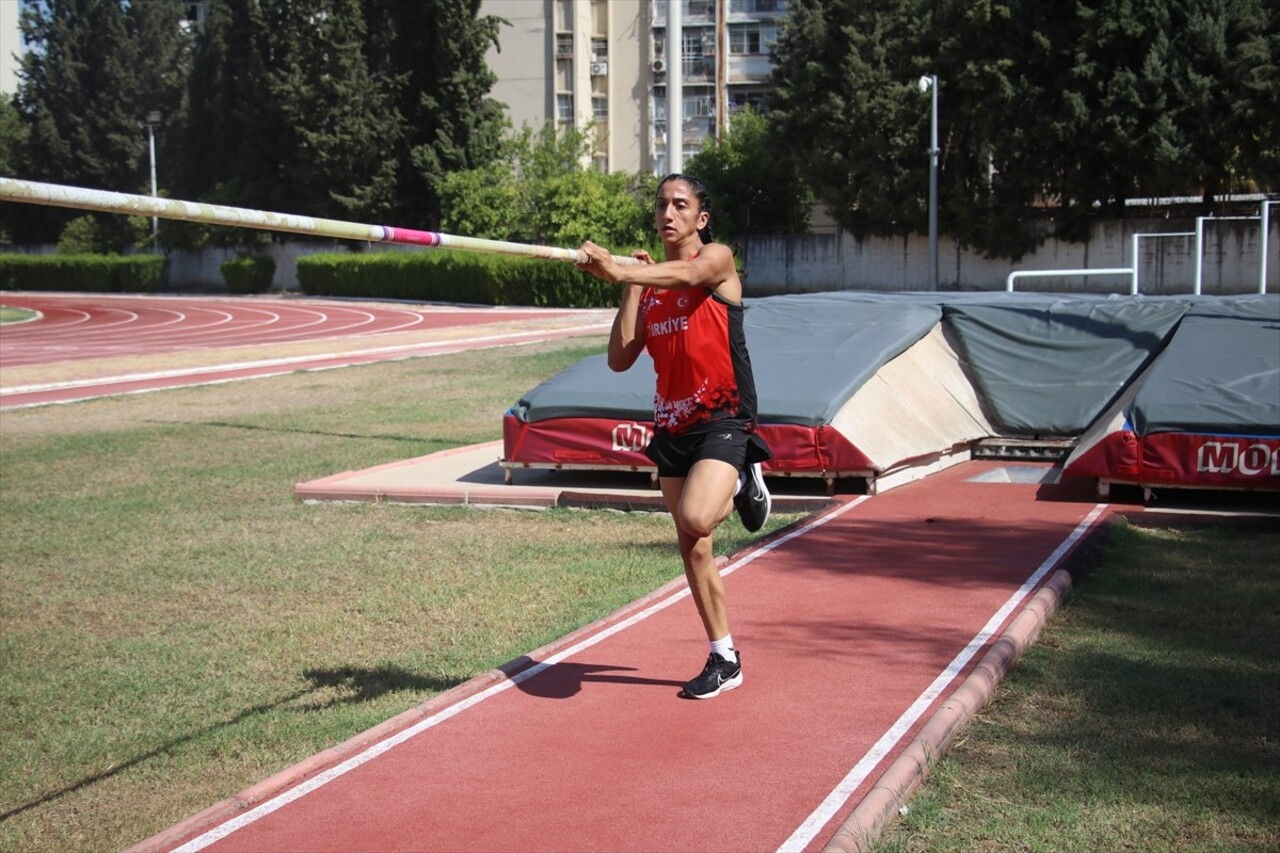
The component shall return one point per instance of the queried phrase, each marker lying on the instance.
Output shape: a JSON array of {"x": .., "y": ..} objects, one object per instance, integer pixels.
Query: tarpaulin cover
[
  {"x": 1182, "y": 390},
  {"x": 1220, "y": 374},
  {"x": 809, "y": 354},
  {"x": 1048, "y": 366}
]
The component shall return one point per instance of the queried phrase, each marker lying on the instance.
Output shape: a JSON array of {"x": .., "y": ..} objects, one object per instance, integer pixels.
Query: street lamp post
[
  {"x": 675, "y": 87},
  {"x": 930, "y": 84},
  {"x": 153, "y": 119}
]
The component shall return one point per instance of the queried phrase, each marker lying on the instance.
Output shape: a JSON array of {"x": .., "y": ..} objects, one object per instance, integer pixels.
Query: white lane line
[
  {"x": 283, "y": 799},
  {"x": 49, "y": 325},
  {"x": 280, "y": 366},
  {"x": 836, "y": 800}
]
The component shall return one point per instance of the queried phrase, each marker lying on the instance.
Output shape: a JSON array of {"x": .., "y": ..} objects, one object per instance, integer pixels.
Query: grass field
[
  {"x": 9, "y": 314},
  {"x": 178, "y": 627}
]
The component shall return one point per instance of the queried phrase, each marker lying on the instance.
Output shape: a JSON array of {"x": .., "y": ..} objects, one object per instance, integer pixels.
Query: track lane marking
[
  {"x": 369, "y": 753},
  {"x": 839, "y": 796},
  {"x": 276, "y": 367}
]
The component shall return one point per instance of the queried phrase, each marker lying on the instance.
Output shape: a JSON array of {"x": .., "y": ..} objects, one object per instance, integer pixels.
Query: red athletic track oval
[{"x": 80, "y": 327}]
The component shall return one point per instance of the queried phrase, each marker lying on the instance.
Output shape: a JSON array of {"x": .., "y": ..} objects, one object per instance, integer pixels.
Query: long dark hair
[{"x": 704, "y": 201}]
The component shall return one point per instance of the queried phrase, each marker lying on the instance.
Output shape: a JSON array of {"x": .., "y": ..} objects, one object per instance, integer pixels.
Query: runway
[{"x": 854, "y": 628}]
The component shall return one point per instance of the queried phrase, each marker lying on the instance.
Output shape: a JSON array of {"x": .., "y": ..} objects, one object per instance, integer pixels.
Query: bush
[
  {"x": 83, "y": 236},
  {"x": 85, "y": 273},
  {"x": 444, "y": 276},
  {"x": 249, "y": 274}
]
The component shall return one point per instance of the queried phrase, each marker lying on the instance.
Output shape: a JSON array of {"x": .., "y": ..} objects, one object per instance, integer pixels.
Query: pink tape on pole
[{"x": 410, "y": 236}]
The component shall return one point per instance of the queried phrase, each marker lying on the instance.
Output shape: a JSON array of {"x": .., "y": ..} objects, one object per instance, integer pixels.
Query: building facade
[
  {"x": 604, "y": 64},
  {"x": 11, "y": 46}
]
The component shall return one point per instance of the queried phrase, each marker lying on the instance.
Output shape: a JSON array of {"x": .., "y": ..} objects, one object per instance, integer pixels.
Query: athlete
[{"x": 687, "y": 312}]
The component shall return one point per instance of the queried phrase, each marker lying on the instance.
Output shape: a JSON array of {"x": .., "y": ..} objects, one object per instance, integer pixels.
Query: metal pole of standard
[
  {"x": 675, "y": 87},
  {"x": 931, "y": 83},
  {"x": 153, "y": 118},
  {"x": 1265, "y": 216}
]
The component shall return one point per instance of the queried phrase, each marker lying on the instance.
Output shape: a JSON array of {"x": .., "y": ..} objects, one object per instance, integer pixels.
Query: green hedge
[
  {"x": 445, "y": 276},
  {"x": 249, "y": 274},
  {"x": 88, "y": 273}
]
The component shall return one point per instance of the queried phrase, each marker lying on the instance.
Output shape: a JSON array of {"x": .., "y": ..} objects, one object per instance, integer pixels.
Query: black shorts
[{"x": 729, "y": 440}]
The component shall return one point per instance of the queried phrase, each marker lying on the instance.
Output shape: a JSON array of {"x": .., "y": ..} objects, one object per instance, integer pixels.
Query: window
[
  {"x": 197, "y": 13},
  {"x": 751, "y": 38},
  {"x": 599, "y": 49},
  {"x": 564, "y": 45},
  {"x": 564, "y": 108},
  {"x": 754, "y": 100},
  {"x": 691, "y": 42},
  {"x": 699, "y": 106},
  {"x": 754, "y": 7},
  {"x": 600, "y": 109}
]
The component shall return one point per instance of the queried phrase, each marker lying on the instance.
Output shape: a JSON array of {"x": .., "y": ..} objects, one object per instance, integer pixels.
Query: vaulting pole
[{"x": 56, "y": 195}]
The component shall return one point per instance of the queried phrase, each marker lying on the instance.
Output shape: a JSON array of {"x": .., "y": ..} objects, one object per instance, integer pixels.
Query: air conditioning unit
[
  {"x": 659, "y": 67},
  {"x": 599, "y": 69}
]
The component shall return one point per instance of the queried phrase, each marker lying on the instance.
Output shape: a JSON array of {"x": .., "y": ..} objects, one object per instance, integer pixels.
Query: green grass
[
  {"x": 9, "y": 314},
  {"x": 176, "y": 626},
  {"x": 1146, "y": 718}
]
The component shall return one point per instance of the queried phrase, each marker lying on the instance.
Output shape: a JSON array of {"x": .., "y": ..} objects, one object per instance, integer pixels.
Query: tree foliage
[
  {"x": 432, "y": 57},
  {"x": 94, "y": 71},
  {"x": 350, "y": 109},
  {"x": 13, "y": 135},
  {"x": 286, "y": 114},
  {"x": 538, "y": 191},
  {"x": 753, "y": 191},
  {"x": 1048, "y": 112}
]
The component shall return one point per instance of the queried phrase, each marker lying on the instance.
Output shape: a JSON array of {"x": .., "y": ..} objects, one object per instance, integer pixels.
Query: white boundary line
[
  {"x": 285, "y": 798},
  {"x": 836, "y": 800},
  {"x": 292, "y": 363}
]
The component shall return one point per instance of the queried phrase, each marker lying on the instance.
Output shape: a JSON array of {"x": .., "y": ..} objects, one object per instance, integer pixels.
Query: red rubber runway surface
[
  {"x": 854, "y": 627},
  {"x": 89, "y": 327}
]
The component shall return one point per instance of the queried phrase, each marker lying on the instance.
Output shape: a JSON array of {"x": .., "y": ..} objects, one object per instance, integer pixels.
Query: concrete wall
[
  {"x": 202, "y": 270},
  {"x": 840, "y": 261}
]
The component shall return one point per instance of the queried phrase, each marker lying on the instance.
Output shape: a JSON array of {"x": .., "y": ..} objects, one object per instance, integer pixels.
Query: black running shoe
[
  {"x": 753, "y": 500},
  {"x": 717, "y": 676}
]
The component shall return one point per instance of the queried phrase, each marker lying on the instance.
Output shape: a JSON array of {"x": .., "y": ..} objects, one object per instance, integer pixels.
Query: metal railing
[{"x": 1263, "y": 218}]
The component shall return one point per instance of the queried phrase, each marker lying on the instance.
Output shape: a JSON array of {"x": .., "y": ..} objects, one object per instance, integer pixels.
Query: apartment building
[
  {"x": 11, "y": 46},
  {"x": 605, "y": 63}
]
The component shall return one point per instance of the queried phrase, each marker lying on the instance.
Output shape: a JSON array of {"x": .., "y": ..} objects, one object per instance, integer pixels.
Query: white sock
[
  {"x": 724, "y": 648},
  {"x": 742, "y": 481}
]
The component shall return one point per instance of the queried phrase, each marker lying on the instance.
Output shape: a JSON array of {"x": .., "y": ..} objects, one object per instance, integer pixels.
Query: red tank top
[{"x": 699, "y": 351}]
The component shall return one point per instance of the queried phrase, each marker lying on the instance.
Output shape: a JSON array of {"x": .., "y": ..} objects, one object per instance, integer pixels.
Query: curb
[{"x": 900, "y": 781}]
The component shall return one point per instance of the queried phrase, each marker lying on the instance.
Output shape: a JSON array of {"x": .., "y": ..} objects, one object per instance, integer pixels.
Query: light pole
[
  {"x": 929, "y": 84},
  {"x": 675, "y": 87},
  {"x": 153, "y": 119}
]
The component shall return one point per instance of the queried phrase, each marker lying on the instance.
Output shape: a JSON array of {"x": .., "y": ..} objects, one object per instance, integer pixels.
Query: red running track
[
  {"x": 854, "y": 628},
  {"x": 83, "y": 327}
]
